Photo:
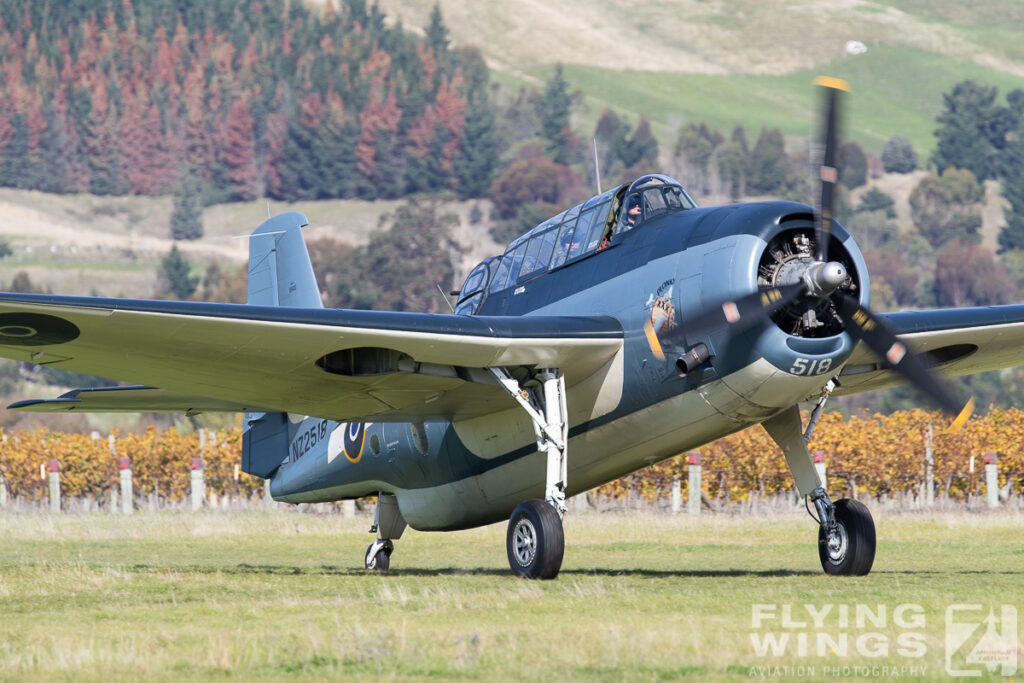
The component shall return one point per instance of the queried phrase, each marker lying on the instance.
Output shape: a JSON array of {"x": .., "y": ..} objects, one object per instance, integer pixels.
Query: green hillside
[{"x": 748, "y": 64}]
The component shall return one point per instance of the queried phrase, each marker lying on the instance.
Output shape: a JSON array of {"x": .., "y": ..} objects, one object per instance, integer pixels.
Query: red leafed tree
[
  {"x": 239, "y": 153},
  {"x": 451, "y": 111},
  {"x": 381, "y": 115},
  {"x": 966, "y": 274},
  {"x": 148, "y": 164}
]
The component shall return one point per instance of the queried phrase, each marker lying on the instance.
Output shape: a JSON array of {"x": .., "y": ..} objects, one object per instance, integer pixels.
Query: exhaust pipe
[{"x": 695, "y": 357}]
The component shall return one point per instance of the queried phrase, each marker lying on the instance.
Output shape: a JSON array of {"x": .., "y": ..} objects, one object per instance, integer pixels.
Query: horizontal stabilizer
[{"x": 132, "y": 399}]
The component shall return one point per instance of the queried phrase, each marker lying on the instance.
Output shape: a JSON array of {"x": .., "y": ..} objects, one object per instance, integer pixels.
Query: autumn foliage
[
  {"x": 160, "y": 463},
  {"x": 257, "y": 98},
  {"x": 878, "y": 456}
]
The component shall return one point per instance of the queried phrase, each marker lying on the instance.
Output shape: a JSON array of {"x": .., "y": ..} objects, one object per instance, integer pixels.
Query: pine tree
[
  {"x": 1012, "y": 236},
  {"x": 853, "y": 165},
  {"x": 187, "y": 215},
  {"x": 611, "y": 134},
  {"x": 641, "y": 147},
  {"x": 972, "y": 129},
  {"x": 174, "y": 275},
  {"x": 553, "y": 109},
  {"x": 437, "y": 37},
  {"x": 478, "y": 147},
  {"x": 768, "y": 163},
  {"x": 239, "y": 153},
  {"x": 947, "y": 207},
  {"x": 898, "y": 155},
  {"x": 694, "y": 147},
  {"x": 335, "y": 154}
]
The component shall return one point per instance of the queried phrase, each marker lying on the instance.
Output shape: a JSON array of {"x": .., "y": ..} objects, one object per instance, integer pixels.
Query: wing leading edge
[
  {"x": 955, "y": 342},
  {"x": 345, "y": 365}
]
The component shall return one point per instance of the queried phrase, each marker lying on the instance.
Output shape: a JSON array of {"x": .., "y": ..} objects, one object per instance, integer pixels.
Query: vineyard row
[{"x": 876, "y": 456}]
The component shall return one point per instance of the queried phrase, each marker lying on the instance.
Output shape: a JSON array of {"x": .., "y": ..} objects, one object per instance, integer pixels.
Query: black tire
[
  {"x": 852, "y": 552},
  {"x": 380, "y": 562},
  {"x": 535, "y": 541}
]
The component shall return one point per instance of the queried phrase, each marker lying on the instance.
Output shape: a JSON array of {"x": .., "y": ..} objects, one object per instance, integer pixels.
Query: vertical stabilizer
[{"x": 280, "y": 273}]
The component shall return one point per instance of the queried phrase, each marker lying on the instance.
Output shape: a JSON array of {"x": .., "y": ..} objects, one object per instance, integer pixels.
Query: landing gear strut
[
  {"x": 846, "y": 532},
  {"x": 535, "y": 541}
]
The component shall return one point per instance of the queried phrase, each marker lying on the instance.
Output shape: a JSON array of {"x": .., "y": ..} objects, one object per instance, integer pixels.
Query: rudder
[{"x": 280, "y": 274}]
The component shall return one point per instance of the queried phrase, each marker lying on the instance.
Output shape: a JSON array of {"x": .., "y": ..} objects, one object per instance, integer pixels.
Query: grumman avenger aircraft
[{"x": 623, "y": 331}]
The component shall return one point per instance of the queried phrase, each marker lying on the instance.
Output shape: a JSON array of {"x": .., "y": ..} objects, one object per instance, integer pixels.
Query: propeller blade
[
  {"x": 828, "y": 173},
  {"x": 862, "y": 324},
  {"x": 739, "y": 314}
]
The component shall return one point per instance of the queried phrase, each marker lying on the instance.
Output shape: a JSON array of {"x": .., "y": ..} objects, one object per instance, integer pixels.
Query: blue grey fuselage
[{"x": 695, "y": 259}]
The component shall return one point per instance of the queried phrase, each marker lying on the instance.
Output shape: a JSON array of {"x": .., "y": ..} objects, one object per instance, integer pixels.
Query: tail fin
[{"x": 280, "y": 274}]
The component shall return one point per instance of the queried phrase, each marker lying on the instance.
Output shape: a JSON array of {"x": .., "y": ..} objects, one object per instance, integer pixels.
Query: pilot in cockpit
[{"x": 633, "y": 212}]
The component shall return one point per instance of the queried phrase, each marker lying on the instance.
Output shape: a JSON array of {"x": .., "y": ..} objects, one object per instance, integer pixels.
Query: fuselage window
[
  {"x": 475, "y": 281},
  {"x": 579, "y": 235},
  {"x": 674, "y": 198},
  {"x": 597, "y": 227},
  {"x": 537, "y": 254},
  {"x": 517, "y": 260},
  {"x": 500, "y": 278},
  {"x": 564, "y": 243},
  {"x": 473, "y": 294},
  {"x": 469, "y": 306},
  {"x": 654, "y": 203}
]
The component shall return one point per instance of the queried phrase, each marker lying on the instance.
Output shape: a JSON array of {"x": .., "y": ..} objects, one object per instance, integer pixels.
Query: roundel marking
[
  {"x": 35, "y": 329},
  {"x": 355, "y": 437}
]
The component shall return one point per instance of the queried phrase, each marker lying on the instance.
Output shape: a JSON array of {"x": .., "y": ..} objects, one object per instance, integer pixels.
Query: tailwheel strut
[{"x": 388, "y": 524}]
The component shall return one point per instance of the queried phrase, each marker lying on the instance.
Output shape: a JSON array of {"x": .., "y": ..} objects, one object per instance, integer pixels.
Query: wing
[
  {"x": 338, "y": 364},
  {"x": 136, "y": 399},
  {"x": 955, "y": 342}
]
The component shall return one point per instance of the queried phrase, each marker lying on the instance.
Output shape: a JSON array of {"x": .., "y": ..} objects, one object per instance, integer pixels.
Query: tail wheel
[
  {"x": 850, "y": 550},
  {"x": 535, "y": 541},
  {"x": 379, "y": 558}
]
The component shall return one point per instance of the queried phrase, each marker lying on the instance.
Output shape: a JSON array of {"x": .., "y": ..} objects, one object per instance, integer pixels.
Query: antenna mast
[{"x": 597, "y": 167}]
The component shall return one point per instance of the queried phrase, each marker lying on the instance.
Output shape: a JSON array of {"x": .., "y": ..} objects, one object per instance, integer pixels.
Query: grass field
[{"x": 640, "y": 597}]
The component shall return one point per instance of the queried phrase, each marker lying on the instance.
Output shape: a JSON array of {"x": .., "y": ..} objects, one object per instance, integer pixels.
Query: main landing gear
[
  {"x": 846, "y": 532},
  {"x": 535, "y": 541}
]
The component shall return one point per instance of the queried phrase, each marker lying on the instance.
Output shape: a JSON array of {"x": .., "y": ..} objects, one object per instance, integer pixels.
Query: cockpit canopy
[
  {"x": 653, "y": 195},
  {"x": 574, "y": 234}
]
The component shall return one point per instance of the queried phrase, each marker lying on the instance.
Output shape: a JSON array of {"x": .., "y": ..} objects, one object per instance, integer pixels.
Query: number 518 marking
[{"x": 806, "y": 366}]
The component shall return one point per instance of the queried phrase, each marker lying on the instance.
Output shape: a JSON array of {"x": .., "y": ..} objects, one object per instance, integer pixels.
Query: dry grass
[
  {"x": 281, "y": 595},
  {"x": 698, "y": 37},
  {"x": 112, "y": 246}
]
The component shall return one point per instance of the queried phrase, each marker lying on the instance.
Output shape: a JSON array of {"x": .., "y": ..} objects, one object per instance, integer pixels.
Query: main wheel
[
  {"x": 535, "y": 541},
  {"x": 850, "y": 551}
]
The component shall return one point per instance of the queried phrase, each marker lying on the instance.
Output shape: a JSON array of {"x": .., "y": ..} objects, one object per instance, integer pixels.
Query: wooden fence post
[
  {"x": 694, "y": 484},
  {"x": 929, "y": 469},
  {"x": 991, "y": 480},
  {"x": 198, "y": 485},
  {"x": 127, "y": 489},
  {"x": 819, "y": 464},
  {"x": 54, "y": 469}
]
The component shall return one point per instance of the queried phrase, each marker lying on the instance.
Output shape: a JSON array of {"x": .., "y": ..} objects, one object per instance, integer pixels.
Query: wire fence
[{"x": 898, "y": 461}]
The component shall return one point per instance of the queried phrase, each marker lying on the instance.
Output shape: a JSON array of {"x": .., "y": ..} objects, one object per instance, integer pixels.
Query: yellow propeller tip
[
  {"x": 652, "y": 340},
  {"x": 962, "y": 418},
  {"x": 834, "y": 83}
]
